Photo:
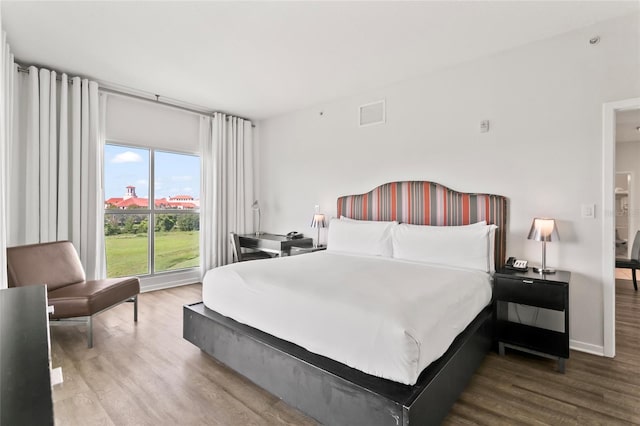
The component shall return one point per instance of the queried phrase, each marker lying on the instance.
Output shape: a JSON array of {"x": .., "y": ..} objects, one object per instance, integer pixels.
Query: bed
[{"x": 328, "y": 383}]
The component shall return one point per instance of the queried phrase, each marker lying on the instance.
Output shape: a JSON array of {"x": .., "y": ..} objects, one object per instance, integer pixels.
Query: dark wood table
[
  {"x": 548, "y": 291},
  {"x": 25, "y": 381},
  {"x": 273, "y": 243}
]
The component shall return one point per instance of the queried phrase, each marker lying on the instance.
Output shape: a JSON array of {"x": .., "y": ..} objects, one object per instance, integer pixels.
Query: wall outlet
[
  {"x": 484, "y": 126},
  {"x": 56, "y": 376}
]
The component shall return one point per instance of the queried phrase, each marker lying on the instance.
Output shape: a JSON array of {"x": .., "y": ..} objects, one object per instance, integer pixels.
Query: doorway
[
  {"x": 623, "y": 196},
  {"x": 621, "y": 137}
]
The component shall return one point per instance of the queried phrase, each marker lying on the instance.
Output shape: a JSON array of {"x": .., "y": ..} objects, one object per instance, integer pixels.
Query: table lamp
[
  {"x": 544, "y": 230},
  {"x": 318, "y": 222},
  {"x": 256, "y": 206}
]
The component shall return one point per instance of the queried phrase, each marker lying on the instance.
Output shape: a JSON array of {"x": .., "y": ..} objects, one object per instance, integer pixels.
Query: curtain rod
[{"x": 148, "y": 98}]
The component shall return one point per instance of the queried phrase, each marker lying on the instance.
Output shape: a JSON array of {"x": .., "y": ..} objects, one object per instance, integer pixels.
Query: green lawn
[{"x": 127, "y": 253}]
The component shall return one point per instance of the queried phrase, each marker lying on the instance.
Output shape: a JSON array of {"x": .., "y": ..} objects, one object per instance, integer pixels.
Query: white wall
[{"x": 543, "y": 152}]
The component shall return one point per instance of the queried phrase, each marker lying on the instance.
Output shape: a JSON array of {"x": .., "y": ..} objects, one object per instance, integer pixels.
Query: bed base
[{"x": 331, "y": 392}]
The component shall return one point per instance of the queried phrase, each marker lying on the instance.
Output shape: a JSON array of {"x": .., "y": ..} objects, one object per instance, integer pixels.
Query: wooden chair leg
[{"x": 635, "y": 282}]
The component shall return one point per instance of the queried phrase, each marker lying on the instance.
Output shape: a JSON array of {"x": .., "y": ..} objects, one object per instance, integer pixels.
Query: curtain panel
[
  {"x": 227, "y": 189},
  {"x": 7, "y": 72},
  {"x": 55, "y": 188}
]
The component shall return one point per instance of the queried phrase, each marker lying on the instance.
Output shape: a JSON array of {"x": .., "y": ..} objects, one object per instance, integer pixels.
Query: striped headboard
[{"x": 429, "y": 203}]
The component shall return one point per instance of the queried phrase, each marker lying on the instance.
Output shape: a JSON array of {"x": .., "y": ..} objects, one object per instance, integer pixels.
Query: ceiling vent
[{"x": 371, "y": 113}]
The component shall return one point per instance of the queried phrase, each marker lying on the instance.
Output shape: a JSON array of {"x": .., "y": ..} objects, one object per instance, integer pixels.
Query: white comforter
[{"x": 386, "y": 317}]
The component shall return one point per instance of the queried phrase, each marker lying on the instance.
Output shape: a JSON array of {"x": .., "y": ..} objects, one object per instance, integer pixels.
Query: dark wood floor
[{"x": 146, "y": 374}]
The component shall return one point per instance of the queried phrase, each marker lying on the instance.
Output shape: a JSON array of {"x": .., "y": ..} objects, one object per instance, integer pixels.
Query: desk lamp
[
  {"x": 256, "y": 206},
  {"x": 318, "y": 222},
  {"x": 544, "y": 230}
]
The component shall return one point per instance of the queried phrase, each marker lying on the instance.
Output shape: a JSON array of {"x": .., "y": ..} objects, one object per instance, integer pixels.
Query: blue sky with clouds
[{"x": 176, "y": 174}]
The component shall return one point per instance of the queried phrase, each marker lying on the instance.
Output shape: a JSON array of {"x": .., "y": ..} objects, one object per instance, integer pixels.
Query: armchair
[{"x": 57, "y": 265}]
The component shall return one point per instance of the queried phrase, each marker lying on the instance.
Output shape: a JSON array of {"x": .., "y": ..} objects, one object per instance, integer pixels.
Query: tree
[
  {"x": 165, "y": 222},
  {"x": 110, "y": 229},
  {"x": 129, "y": 225},
  {"x": 188, "y": 222}
]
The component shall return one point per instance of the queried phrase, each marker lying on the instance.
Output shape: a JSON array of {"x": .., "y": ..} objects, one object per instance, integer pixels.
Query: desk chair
[
  {"x": 634, "y": 262},
  {"x": 241, "y": 256},
  {"x": 74, "y": 299}
]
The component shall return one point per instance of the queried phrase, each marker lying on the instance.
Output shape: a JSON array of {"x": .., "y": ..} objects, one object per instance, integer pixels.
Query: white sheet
[{"x": 387, "y": 317}]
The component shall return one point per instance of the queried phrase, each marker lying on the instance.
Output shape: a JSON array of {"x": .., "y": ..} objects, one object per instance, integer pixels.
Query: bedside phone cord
[{"x": 535, "y": 318}]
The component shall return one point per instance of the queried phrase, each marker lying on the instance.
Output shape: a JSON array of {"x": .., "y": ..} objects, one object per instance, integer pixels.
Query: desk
[
  {"x": 302, "y": 250},
  {"x": 273, "y": 243},
  {"x": 25, "y": 394}
]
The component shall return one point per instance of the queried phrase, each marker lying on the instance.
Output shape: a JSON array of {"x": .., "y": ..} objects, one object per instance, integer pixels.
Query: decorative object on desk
[
  {"x": 543, "y": 229},
  {"x": 318, "y": 221},
  {"x": 293, "y": 235},
  {"x": 256, "y": 206}
]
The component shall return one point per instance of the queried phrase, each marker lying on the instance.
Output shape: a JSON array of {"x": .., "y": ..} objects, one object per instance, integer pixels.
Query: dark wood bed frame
[{"x": 331, "y": 392}]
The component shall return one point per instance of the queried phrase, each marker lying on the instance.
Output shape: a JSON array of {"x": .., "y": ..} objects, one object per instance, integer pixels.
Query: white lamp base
[{"x": 544, "y": 271}]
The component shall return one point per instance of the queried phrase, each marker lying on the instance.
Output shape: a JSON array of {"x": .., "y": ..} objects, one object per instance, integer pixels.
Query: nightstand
[{"x": 549, "y": 291}]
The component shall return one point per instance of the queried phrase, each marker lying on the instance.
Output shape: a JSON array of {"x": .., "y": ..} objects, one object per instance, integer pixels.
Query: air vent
[{"x": 371, "y": 113}]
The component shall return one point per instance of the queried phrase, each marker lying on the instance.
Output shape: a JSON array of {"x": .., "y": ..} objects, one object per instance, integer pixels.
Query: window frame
[{"x": 151, "y": 211}]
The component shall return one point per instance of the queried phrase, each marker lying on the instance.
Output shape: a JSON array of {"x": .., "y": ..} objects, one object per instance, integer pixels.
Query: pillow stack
[{"x": 467, "y": 246}]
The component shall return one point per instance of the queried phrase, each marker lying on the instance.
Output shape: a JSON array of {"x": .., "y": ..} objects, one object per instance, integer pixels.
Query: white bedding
[{"x": 387, "y": 317}]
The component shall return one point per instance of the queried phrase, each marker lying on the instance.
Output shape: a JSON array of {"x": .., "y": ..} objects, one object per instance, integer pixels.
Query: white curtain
[
  {"x": 55, "y": 165},
  {"x": 6, "y": 112},
  {"x": 227, "y": 191}
]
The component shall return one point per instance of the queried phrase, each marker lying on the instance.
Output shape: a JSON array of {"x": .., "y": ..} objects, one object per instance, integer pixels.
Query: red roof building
[{"x": 131, "y": 201}]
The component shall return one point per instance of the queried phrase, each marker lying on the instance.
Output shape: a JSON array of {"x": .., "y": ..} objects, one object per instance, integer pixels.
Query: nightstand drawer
[{"x": 531, "y": 292}]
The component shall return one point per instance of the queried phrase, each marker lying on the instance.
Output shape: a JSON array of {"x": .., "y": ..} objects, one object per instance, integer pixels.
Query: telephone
[
  {"x": 293, "y": 235},
  {"x": 516, "y": 265}
]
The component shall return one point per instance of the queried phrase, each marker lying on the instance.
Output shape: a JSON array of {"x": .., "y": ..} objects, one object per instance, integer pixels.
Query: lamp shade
[
  {"x": 543, "y": 229},
  {"x": 318, "y": 221}
]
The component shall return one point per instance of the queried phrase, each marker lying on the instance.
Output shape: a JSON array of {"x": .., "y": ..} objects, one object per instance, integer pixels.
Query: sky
[{"x": 176, "y": 174}]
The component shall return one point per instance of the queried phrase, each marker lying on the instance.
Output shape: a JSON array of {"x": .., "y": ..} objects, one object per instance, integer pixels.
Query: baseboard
[
  {"x": 160, "y": 282},
  {"x": 586, "y": 347},
  {"x": 165, "y": 286}
]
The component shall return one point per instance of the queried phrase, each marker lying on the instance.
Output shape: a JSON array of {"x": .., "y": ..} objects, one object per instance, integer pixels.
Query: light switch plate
[{"x": 588, "y": 211}]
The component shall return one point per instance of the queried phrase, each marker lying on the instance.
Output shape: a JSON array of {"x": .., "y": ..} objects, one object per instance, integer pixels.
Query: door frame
[{"x": 609, "y": 111}]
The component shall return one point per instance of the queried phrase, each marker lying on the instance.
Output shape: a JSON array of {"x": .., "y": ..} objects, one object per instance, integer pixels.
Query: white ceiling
[{"x": 260, "y": 59}]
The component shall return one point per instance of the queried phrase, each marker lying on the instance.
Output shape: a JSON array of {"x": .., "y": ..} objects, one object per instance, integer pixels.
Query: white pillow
[
  {"x": 360, "y": 237},
  {"x": 492, "y": 243},
  {"x": 460, "y": 246}
]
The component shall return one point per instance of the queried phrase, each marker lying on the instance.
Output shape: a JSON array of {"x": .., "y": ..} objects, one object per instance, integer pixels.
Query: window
[{"x": 142, "y": 237}]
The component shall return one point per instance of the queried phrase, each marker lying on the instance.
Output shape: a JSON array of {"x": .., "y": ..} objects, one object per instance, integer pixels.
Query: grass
[{"x": 127, "y": 254}]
